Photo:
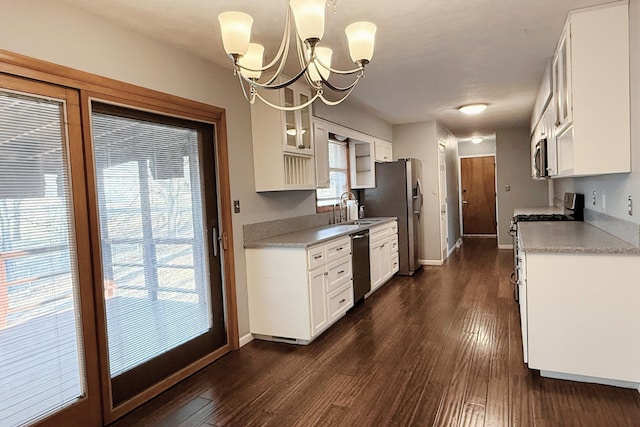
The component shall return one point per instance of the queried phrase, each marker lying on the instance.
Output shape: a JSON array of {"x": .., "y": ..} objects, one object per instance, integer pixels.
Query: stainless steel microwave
[{"x": 540, "y": 162}]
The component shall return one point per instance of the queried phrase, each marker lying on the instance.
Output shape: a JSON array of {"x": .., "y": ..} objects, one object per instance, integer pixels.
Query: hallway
[{"x": 440, "y": 348}]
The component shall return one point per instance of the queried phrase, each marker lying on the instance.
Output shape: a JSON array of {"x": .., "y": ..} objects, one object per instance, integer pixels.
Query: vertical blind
[
  {"x": 154, "y": 262},
  {"x": 41, "y": 365}
]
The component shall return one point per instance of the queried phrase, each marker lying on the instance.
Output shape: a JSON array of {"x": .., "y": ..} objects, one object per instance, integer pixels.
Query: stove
[{"x": 573, "y": 205}]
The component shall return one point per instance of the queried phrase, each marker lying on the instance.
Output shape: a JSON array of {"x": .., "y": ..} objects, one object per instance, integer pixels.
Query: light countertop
[
  {"x": 571, "y": 237},
  {"x": 546, "y": 210},
  {"x": 313, "y": 236}
]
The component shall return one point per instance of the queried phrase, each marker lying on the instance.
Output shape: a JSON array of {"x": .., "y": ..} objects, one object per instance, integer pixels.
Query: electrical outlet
[
  {"x": 507, "y": 187},
  {"x": 593, "y": 198},
  {"x": 630, "y": 205},
  {"x": 236, "y": 206}
]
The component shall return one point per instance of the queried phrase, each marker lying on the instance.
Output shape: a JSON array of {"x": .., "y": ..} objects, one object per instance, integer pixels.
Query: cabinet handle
[
  {"x": 382, "y": 246},
  {"x": 317, "y": 257},
  {"x": 326, "y": 273},
  {"x": 342, "y": 300},
  {"x": 339, "y": 249},
  {"x": 341, "y": 271}
]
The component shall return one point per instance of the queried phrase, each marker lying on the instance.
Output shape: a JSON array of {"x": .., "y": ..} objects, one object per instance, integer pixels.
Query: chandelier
[{"x": 314, "y": 59}]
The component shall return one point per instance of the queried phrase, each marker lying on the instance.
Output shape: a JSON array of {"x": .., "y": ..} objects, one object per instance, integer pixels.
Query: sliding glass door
[
  {"x": 46, "y": 315},
  {"x": 159, "y": 254}
]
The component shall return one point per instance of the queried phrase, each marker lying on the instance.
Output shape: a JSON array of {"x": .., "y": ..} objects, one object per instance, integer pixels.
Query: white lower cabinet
[
  {"x": 580, "y": 316},
  {"x": 296, "y": 293},
  {"x": 318, "y": 300},
  {"x": 383, "y": 253}
]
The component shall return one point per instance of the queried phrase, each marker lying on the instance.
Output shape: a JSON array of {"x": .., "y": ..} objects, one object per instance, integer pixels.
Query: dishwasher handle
[{"x": 359, "y": 236}]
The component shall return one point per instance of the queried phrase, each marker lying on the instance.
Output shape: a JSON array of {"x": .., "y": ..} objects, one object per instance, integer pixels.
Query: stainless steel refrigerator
[{"x": 398, "y": 193}]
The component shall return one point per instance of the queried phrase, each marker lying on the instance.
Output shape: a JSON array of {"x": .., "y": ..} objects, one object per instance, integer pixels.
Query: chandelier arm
[
  {"x": 294, "y": 108},
  {"x": 345, "y": 72},
  {"x": 278, "y": 86},
  {"x": 307, "y": 64},
  {"x": 285, "y": 54},
  {"x": 334, "y": 103},
  {"x": 251, "y": 99},
  {"x": 284, "y": 44},
  {"x": 341, "y": 89}
]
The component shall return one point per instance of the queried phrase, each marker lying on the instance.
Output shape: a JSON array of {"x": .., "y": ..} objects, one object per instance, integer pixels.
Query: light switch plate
[{"x": 236, "y": 206}]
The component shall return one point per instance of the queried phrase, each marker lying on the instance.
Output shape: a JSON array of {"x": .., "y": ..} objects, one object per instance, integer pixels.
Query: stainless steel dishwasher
[{"x": 360, "y": 264}]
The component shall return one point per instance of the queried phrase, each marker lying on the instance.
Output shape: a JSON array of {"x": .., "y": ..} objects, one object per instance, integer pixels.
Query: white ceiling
[{"x": 431, "y": 56}]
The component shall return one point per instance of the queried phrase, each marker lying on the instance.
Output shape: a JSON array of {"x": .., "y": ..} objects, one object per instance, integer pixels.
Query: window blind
[
  {"x": 152, "y": 237},
  {"x": 41, "y": 364}
]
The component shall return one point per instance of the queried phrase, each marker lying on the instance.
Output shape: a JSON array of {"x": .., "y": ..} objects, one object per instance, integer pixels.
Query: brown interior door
[{"x": 478, "y": 195}]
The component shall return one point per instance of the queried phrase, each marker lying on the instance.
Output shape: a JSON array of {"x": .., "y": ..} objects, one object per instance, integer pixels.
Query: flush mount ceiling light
[
  {"x": 472, "y": 109},
  {"x": 314, "y": 60},
  {"x": 477, "y": 139}
]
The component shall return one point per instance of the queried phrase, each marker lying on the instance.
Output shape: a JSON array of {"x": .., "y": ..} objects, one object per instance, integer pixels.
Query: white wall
[
  {"x": 513, "y": 168},
  {"x": 616, "y": 188},
  {"x": 486, "y": 147},
  {"x": 62, "y": 34}
]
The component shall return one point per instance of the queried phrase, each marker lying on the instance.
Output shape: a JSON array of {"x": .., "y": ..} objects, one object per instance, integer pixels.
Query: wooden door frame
[
  {"x": 87, "y": 407},
  {"x": 495, "y": 186},
  {"x": 132, "y": 96},
  {"x": 444, "y": 255}
]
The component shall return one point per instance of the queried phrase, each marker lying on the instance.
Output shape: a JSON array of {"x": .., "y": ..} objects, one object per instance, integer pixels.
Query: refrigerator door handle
[{"x": 418, "y": 210}]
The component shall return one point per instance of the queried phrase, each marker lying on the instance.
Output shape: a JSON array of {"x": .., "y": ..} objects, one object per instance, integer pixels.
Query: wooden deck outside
[{"x": 31, "y": 359}]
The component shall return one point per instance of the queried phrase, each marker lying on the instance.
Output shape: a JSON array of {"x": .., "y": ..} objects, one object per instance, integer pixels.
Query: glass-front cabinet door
[
  {"x": 562, "y": 81},
  {"x": 297, "y": 124}
]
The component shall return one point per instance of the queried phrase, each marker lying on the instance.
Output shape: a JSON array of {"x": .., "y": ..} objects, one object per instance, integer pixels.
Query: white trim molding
[
  {"x": 430, "y": 261},
  {"x": 505, "y": 246},
  {"x": 246, "y": 339}
]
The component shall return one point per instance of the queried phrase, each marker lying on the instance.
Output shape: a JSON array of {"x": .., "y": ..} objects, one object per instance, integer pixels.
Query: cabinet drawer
[
  {"x": 340, "y": 301},
  {"x": 394, "y": 244},
  {"x": 395, "y": 263},
  {"x": 316, "y": 257},
  {"x": 378, "y": 232},
  {"x": 339, "y": 272},
  {"x": 338, "y": 248}
]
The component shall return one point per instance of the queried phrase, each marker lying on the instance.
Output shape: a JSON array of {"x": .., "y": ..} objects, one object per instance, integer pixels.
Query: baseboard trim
[
  {"x": 430, "y": 261},
  {"x": 246, "y": 339},
  {"x": 593, "y": 380},
  {"x": 451, "y": 250},
  {"x": 505, "y": 246}
]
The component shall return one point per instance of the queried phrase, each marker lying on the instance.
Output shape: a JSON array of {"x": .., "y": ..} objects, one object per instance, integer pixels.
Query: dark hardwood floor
[{"x": 440, "y": 348}]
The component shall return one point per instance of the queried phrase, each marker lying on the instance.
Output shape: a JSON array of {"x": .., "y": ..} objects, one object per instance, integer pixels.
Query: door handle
[
  {"x": 464, "y": 202},
  {"x": 214, "y": 241}
]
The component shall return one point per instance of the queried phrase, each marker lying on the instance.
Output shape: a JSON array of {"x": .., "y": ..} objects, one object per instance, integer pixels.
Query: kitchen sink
[{"x": 365, "y": 221}]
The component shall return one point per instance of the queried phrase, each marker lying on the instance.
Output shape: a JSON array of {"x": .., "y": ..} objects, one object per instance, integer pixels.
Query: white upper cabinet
[
  {"x": 321, "y": 144},
  {"x": 591, "y": 92},
  {"x": 383, "y": 151},
  {"x": 362, "y": 164},
  {"x": 362, "y": 154},
  {"x": 283, "y": 152},
  {"x": 543, "y": 98},
  {"x": 561, "y": 71},
  {"x": 297, "y": 124}
]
